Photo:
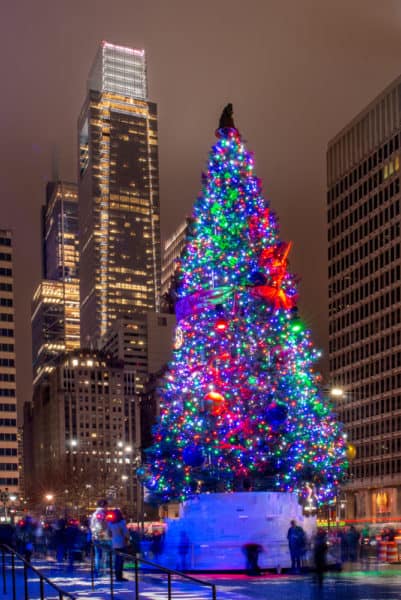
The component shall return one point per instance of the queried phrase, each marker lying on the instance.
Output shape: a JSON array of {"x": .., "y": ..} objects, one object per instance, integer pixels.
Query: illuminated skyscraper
[
  {"x": 8, "y": 396},
  {"x": 55, "y": 305},
  {"x": 118, "y": 193},
  {"x": 60, "y": 231},
  {"x": 55, "y": 322}
]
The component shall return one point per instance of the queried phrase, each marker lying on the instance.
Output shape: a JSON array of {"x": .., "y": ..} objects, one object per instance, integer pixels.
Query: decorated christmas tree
[{"x": 241, "y": 405}]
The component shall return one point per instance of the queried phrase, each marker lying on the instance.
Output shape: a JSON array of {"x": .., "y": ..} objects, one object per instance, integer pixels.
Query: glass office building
[
  {"x": 55, "y": 305},
  {"x": 364, "y": 253},
  {"x": 118, "y": 194}
]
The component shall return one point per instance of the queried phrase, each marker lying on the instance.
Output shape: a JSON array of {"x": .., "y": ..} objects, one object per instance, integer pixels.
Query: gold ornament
[
  {"x": 350, "y": 452},
  {"x": 179, "y": 338}
]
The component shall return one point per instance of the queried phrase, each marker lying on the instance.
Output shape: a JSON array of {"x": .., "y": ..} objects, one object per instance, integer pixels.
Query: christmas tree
[{"x": 241, "y": 404}]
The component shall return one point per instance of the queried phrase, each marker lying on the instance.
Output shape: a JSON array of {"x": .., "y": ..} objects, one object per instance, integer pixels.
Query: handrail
[
  {"x": 137, "y": 560},
  {"x": 165, "y": 569},
  {"x": 28, "y": 565}
]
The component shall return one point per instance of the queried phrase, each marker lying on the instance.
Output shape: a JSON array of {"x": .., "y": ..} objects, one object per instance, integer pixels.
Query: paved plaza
[{"x": 383, "y": 583}]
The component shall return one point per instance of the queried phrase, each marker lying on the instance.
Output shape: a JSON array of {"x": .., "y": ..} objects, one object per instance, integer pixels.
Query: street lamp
[
  {"x": 337, "y": 392},
  {"x": 49, "y": 497}
]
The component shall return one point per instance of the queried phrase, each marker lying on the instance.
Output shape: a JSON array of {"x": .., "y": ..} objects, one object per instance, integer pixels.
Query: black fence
[
  {"x": 10, "y": 559},
  {"x": 142, "y": 566}
]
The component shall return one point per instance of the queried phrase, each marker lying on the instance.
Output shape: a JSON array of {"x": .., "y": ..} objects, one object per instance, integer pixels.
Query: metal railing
[
  {"x": 26, "y": 567},
  {"x": 154, "y": 568}
]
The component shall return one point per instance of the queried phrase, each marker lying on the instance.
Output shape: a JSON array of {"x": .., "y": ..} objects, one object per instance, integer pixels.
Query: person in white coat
[{"x": 119, "y": 534}]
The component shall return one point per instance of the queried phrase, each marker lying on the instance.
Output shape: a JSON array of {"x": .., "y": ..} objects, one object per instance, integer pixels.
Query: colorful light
[{"x": 241, "y": 399}]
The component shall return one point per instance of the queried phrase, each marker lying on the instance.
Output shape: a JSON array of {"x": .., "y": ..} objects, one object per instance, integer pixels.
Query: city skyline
[{"x": 322, "y": 63}]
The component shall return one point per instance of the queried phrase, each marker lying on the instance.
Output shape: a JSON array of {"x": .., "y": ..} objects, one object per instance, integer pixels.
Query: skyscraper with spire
[{"x": 118, "y": 187}]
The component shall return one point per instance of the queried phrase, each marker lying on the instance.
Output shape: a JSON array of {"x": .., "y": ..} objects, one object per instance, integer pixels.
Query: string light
[{"x": 241, "y": 399}]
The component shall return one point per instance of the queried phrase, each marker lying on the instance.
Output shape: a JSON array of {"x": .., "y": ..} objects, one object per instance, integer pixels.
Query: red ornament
[
  {"x": 217, "y": 402},
  {"x": 221, "y": 325}
]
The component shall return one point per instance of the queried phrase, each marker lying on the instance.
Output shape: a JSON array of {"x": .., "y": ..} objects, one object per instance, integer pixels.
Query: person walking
[
  {"x": 252, "y": 551},
  {"x": 183, "y": 549},
  {"x": 59, "y": 540},
  {"x": 156, "y": 546},
  {"x": 71, "y": 542},
  {"x": 296, "y": 543},
  {"x": 353, "y": 537},
  {"x": 100, "y": 534},
  {"x": 344, "y": 548},
  {"x": 26, "y": 535},
  {"x": 119, "y": 534},
  {"x": 319, "y": 553}
]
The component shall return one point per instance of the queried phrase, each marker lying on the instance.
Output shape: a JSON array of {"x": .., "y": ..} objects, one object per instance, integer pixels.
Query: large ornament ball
[
  {"x": 350, "y": 452},
  {"x": 215, "y": 403},
  {"x": 276, "y": 414},
  {"x": 193, "y": 456},
  {"x": 258, "y": 278},
  {"x": 179, "y": 338}
]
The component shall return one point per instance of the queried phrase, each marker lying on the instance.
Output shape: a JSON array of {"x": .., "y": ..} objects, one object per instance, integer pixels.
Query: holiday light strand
[{"x": 240, "y": 404}]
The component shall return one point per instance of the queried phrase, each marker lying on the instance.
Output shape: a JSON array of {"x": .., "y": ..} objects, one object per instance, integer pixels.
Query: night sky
[{"x": 296, "y": 73}]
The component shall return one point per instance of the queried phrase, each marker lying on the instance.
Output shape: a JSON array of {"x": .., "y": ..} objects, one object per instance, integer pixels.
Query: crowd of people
[
  {"x": 106, "y": 532},
  {"x": 347, "y": 545},
  {"x": 69, "y": 541}
]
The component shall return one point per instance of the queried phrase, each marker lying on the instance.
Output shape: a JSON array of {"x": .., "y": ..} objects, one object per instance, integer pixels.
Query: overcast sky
[{"x": 296, "y": 72}]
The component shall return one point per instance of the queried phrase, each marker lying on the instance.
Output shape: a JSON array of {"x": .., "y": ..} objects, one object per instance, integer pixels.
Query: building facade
[
  {"x": 143, "y": 343},
  {"x": 364, "y": 253},
  {"x": 9, "y": 468},
  {"x": 173, "y": 248},
  {"x": 55, "y": 305},
  {"x": 60, "y": 232},
  {"x": 55, "y": 323},
  {"x": 118, "y": 193},
  {"x": 79, "y": 433}
]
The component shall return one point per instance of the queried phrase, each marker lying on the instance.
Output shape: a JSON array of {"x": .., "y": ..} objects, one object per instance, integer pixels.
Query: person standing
[
  {"x": 119, "y": 534},
  {"x": 296, "y": 543},
  {"x": 100, "y": 533}
]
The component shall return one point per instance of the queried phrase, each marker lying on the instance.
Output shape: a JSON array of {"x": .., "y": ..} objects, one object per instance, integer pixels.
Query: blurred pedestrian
[
  {"x": 353, "y": 543},
  {"x": 100, "y": 534},
  {"x": 26, "y": 536},
  {"x": 134, "y": 542},
  {"x": 71, "y": 542},
  {"x": 59, "y": 540},
  {"x": 297, "y": 543},
  {"x": 119, "y": 541},
  {"x": 183, "y": 549},
  {"x": 252, "y": 552},
  {"x": 319, "y": 554},
  {"x": 344, "y": 548},
  {"x": 156, "y": 546}
]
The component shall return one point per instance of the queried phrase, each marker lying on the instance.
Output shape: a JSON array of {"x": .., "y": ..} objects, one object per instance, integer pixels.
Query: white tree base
[{"x": 218, "y": 525}]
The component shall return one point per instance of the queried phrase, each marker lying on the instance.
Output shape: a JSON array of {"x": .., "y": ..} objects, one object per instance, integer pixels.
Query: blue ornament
[
  {"x": 276, "y": 414},
  {"x": 257, "y": 278},
  {"x": 193, "y": 456}
]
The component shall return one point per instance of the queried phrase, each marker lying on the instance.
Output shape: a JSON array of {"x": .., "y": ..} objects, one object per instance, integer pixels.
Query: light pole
[
  {"x": 341, "y": 395},
  {"x": 49, "y": 497}
]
